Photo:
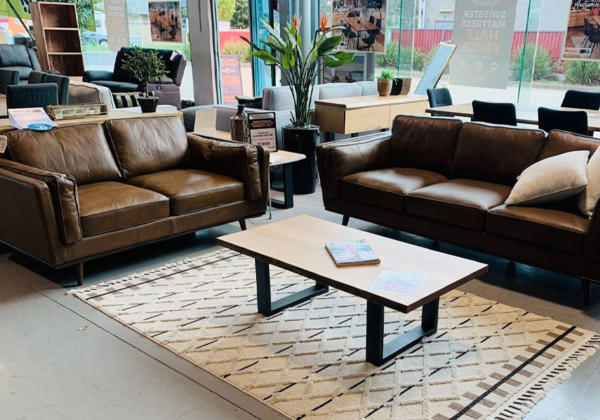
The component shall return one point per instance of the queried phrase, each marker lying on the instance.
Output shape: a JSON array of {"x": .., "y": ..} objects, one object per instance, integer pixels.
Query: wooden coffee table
[{"x": 298, "y": 245}]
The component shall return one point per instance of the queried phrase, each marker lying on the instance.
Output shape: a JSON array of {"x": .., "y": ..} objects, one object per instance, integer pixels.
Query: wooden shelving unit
[{"x": 56, "y": 32}]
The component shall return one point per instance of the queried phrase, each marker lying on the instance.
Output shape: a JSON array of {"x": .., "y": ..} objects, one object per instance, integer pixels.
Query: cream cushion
[
  {"x": 551, "y": 179},
  {"x": 589, "y": 197}
]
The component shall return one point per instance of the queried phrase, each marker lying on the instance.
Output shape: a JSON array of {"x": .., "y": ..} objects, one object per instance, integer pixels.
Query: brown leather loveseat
[
  {"x": 80, "y": 192},
  {"x": 447, "y": 180}
]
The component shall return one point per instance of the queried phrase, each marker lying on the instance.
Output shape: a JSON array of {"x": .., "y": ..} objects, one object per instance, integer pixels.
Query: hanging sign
[
  {"x": 117, "y": 29},
  {"x": 165, "y": 21},
  {"x": 584, "y": 16},
  {"x": 363, "y": 22}
]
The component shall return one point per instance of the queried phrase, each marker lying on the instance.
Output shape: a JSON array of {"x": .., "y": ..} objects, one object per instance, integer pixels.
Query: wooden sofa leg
[
  {"x": 243, "y": 224},
  {"x": 345, "y": 220},
  {"x": 79, "y": 273},
  {"x": 586, "y": 285}
]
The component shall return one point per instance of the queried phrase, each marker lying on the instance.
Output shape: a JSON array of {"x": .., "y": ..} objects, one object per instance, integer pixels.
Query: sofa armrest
[
  {"x": 592, "y": 242},
  {"x": 338, "y": 159},
  {"x": 234, "y": 159},
  {"x": 63, "y": 194},
  {"x": 91, "y": 75},
  {"x": 178, "y": 75}
]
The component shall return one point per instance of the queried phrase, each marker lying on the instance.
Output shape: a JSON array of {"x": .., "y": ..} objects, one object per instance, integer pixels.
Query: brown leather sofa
[
  {"x": 77, "y": 193},
  {"x": 447, "y": 180}
]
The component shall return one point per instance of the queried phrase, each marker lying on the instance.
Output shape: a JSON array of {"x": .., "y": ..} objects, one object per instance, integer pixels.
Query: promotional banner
[
  {"x": 231, "y": 78},
  {"x": 363, "y": 22},
  {"x": 583, "y": 19},
  {"x": 483, "y": 34},
  {"x": 165, "y": 21},
  {"x": 117, "y": 29}
]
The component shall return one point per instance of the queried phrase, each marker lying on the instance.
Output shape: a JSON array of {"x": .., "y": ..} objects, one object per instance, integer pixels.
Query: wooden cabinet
[{"x": 56, "y": 33}]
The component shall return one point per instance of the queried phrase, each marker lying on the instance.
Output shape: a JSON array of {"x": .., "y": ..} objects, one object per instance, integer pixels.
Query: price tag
[{"x": 263, "y": 130}]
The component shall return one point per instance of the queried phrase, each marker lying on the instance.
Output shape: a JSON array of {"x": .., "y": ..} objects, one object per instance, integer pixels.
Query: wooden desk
[
  {"x": 357, "y": 114},
  {"x": 526, "y": 114},
  {"x": 113, "y": 114}
]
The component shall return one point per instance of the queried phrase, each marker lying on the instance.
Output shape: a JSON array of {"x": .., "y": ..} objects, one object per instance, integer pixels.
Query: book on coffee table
[{"x": 351, "y": 253}]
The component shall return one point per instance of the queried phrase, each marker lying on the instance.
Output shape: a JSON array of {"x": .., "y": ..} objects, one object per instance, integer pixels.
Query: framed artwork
[{"x": 165, "y": 21}]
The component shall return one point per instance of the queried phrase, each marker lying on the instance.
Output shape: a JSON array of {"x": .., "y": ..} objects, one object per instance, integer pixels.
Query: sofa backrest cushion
[
  {"x": 339, "y": 90},
  {"x": 559, "y": 142},
  {"x": 495, "y": 153},
  {"x": 14, "y": 56},
  {"x": 277, "y": 98},
  {"x": 81, "y": 151},
  {"x": 424, "y": 142},
  {"x": 171, "y": 66},
  {"x": 145, "y": 145}
]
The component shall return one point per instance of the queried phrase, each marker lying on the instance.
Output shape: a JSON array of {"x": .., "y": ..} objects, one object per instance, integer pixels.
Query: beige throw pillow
[
  {"x": 589, "y": 197},
  {"x": 551, "y": 179}
]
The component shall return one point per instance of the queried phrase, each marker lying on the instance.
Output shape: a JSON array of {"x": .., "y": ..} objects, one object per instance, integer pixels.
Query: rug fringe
[{"x": 519, "y": 406}]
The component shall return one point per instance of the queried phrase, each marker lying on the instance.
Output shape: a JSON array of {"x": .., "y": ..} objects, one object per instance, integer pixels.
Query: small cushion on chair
[{"x": 126, "y": 100}]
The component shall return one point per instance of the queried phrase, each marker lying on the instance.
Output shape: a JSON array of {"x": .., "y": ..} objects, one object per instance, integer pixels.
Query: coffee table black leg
[
  {"x": 263, "y": 292},
  {"x": 288, "y": 189},
  {"x": 377, "y": 352}
]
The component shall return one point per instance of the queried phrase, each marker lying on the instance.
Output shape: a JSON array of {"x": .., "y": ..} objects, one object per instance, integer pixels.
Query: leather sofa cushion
[
  {"x": 495, "y": 153},
  {"x": 386, "y": 188},
  {"x": 81, "y": 151},
  {"x": 559, "y": 142},
  {"x": 424, "y": 142},
  {"x": 558, "y": 229},
  {"x": 462, "y": 202},
  {"x": 191, "y": 190},
  {"x": 145, "y": 145},
  {"x": 110, "y": 206}
]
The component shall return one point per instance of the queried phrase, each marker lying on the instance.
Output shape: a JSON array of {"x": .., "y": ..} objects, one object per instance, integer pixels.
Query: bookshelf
[{"x": 56, "y": 33}]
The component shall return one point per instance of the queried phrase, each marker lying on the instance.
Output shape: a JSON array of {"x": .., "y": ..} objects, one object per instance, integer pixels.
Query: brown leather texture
[
  {"x": 386, "y": 188},
  {"x": 495, "y": 153},
  {"x": 110, "y": 206},
  {"x": 549, "y": 227},
  {"x": 190, "y": 190},
  {"x": 63, "y": 191},
  {"x": 82, "y": 152},
  {"x": 145, "y": 145},
  {"x": 559, "y": 142},
  {"x": 425, "y": 142},
  {"x": 234, "y": 159},
  {"x": 463, "y": 202}
]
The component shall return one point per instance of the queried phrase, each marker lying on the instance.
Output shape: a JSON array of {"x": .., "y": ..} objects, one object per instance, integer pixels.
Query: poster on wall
[
  {"x": 583, "y": 14},
  {"x": 483, "y": 34},
  {"x": 117, "y": 29},
  {"x": 165, "y": 21},
  {"x": 363, "y": 22}
]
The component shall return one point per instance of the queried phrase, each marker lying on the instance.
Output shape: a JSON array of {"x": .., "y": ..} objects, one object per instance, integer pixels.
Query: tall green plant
[
  {"x": 146, "y": 66},
  {"x": 297, "y": 68},
  {"x": 542, "y": 67},
  {"x": 583, "y": 72}
]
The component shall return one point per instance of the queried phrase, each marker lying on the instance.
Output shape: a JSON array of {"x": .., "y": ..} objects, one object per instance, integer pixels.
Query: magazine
[
  {"x": 34, "y": 118},
  {"x": 399, "y": 282},
  {"x": 351, "y": 253}
]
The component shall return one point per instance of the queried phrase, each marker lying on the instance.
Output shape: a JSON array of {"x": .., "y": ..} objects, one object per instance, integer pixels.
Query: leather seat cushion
[
  {"x": 558, "y": 229},
  {"x": 462, "y": 202},
  {"x": 116, "y": 86},
  {"x": 191, "y": 190},
  {"x": 109, "y": 206},
  {"x": 386, "y": 188}
]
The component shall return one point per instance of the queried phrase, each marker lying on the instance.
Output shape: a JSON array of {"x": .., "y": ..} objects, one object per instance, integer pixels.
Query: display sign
[
  {"x": 582, "y": 14},
  {"x": 263, "y": 130},
  {"x": 231, "y": 78},
  {"x": 435, "y": 68},
  {"x": 117, "y": 29},
  {"x": 165, "y": 21},
  {"x": 483, "y": 34},
  {"x": 363, "y": 22}
]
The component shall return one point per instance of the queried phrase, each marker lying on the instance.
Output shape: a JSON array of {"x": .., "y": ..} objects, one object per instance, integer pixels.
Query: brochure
[
  {"x": 399, "y": 282},
  {"x": 351, "y": 253},
  {"x": 33, "y": 118},
  {"x": 262, "y": 128}
]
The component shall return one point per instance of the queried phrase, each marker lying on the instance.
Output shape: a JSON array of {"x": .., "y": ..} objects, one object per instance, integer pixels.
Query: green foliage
[
  {"x": 385, "y": 75},
  {"x": 542, "y": 69},
  {"x": 240, "y": 49},
  {"x": 225, "y": 9},
  {"x": 583, "y": 72},
  {"x": 145, "y": 66},
  {"x": 299, "y": 69},
  {"x": 419, "y": 59},
  {"x": 85, "y": 13},
  {"x": 239, "y": 20}
]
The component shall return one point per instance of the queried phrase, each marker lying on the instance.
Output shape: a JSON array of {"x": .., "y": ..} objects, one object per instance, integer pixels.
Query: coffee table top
[{"x": 298, "y": 245}]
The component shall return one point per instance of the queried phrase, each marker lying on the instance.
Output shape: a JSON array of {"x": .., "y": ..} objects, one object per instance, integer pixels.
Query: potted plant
[
  {"x": 299, "y": 70},
  {"x": 145, "y": 66},
  {"x": 384, "y": 83}
]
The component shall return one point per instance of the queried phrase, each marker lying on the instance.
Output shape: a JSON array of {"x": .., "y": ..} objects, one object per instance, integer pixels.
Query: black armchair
[
  {"x": 36, "y": 95},
  {"x": 8, "y": 77},
  {"x": 19, "y": 58}
]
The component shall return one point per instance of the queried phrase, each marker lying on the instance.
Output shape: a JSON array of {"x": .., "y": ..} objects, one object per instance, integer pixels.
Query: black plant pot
[
  {"x": 147, "y": 104},
  {"x": 303, "y": 140}
]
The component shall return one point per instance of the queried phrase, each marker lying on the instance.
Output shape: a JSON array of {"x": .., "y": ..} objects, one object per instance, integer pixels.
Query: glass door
[{"x": 262, "y": 11}]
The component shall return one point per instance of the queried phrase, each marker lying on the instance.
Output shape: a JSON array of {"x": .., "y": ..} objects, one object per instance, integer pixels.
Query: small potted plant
[
  {"x": 147, "y": 67},
  {"x": 384, "y": 83}
]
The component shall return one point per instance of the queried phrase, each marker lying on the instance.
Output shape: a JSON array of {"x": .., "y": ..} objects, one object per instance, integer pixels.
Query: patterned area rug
[{"x": 487, "y": 360}]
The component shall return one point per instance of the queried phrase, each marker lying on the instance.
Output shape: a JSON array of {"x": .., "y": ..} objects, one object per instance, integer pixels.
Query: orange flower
[
  {"x": 323, "y": 24},
  {"x": 296, "y": 22}
]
